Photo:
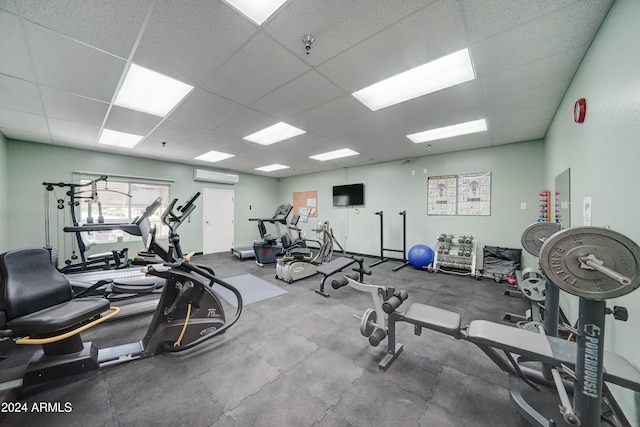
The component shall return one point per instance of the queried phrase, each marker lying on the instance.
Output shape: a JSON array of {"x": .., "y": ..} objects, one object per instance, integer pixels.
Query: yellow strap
[
  {"x": 27, "y": 340},
  {"x": 184, "y": 327}
]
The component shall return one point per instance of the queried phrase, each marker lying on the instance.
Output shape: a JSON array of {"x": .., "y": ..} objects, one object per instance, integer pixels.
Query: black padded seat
[
  {"x": 61, "y": 317},
  {"x": 335, "y": 266},
  {"x": 437, "y": 319},
  {"x": 38, "y": 299}
]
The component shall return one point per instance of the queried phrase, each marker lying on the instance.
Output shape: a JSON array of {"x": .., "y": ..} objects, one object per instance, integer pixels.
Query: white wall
[
  {"x": 31, "y": 164},
  {"x": 517, "y": 177},
  {"x": 603, "y": 154}
]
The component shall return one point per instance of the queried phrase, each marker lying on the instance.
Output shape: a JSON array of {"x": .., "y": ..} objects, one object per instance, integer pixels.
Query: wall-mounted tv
[{"x": 348, "y": 195}]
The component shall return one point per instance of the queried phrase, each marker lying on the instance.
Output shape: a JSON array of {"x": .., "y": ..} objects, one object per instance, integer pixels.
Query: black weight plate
[
  {"x": 560, "y": 262},
  {"x": 535, "y": 235}
]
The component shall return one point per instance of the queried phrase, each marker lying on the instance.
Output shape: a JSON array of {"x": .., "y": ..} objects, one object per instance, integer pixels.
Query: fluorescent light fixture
[
  {"x": 256, "y": 10},
  {"x": 119, "y": 139},
  {"x": 345, "y": 152},
  {"x": 213, "y": 156},
  {"x": 449, "y": 131},
  {"x": 272, "y": 134},
  {"x": 271, "y": 168},
  {"x": 150, "y": 92},
  {"x": 433, "y": 76}
]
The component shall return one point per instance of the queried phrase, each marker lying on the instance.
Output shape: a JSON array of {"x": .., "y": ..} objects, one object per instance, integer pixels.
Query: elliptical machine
[
  {"x": 38, "y": 308},
  {"x": 298, "y": 263}
]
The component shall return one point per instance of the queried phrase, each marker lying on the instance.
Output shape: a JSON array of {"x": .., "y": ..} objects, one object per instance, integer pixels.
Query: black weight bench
[
  {"x": 420, "y": 316},
  {"x": 331, "y": 268},
  {"x": 551, "y": 350},
  {"x": 490, "y": 336}
]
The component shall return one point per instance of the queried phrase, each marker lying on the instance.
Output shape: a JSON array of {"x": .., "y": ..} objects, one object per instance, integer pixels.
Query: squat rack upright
[{"x": 382, "y": 259}]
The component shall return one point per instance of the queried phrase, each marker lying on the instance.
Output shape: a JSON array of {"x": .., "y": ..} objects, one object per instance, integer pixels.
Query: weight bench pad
[
  {"x": 437, "y": 319},
  {"x": 335, "y": 266},
  {"x": 552, "y": 350},
  {"x": 53, "y": 319},
  {"x": 514, "y": 340}
]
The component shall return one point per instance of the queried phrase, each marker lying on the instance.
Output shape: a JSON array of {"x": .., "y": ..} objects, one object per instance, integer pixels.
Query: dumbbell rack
[{"x": 456, "y": 255}]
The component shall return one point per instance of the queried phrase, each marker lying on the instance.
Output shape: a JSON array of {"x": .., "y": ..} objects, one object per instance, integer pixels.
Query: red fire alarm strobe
[{"x": 580, "y": 110}]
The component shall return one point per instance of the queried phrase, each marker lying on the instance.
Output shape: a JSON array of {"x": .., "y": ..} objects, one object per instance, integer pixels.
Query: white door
[{"x": 218, "y": 214}]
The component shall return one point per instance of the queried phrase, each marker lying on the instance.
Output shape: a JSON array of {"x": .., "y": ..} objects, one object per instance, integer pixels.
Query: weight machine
[
  {"x": 114, "y": 259},
  {"x": 383, "y": 259},
  {"x": 591, "y": 263}
]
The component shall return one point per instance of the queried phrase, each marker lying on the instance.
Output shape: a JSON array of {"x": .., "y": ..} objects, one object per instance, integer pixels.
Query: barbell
[{"x": 591, "y": 262}]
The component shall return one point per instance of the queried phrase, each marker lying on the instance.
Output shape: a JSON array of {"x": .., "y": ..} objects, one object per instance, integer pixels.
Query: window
[{"x": 119, "y": 200}]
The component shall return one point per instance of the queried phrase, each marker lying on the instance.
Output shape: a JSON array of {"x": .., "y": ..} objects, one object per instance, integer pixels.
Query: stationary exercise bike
[
  {"x": 592, "y": 263},
  {"x": 37, "y": 308}
]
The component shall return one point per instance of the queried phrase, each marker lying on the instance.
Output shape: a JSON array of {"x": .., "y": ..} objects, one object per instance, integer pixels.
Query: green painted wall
[
  {"x": 603, "y": 155},
  {"x": 31, "y": 164},
  {"x": 4, "y": 220},
  {"x": 517, "y": 177}
]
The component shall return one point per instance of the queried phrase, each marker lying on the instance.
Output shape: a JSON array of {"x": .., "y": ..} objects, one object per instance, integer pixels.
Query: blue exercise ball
[{"x": 421, "y": 256}]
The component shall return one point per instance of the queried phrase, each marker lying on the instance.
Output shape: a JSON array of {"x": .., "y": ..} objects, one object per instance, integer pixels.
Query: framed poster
[
  {"x": 441, "y": 195},
  {"x": 474, "y": 194}
]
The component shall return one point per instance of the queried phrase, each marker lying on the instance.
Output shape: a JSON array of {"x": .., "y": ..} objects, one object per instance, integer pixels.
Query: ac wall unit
[{"x": 211, "y": 176}]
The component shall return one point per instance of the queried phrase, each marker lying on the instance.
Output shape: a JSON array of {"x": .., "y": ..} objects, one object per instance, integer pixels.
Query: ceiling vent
[{"x": 218, "y": 177}]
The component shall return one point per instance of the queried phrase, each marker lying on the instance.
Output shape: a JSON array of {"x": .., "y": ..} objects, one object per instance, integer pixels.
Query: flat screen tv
[{"x": 348, "y": 195}]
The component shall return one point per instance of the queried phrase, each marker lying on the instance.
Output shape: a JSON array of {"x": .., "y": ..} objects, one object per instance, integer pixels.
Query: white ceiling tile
[
  {"x": 486, "y": 18},
  {"x": 153, "y": 147},
  {"x": 301, "y": 94},
  {"x": 63, "y": 132},
  {"x": 204, "y": 109},
  {"x": 336, "y": 25},
  {"x": 172, "y": 131},
  {"x": 211, "y": 140},
  {"x": 73, "y": 108},
  {"x": 431, "y": 33},
  {"x": 188, "y": 39},
  {"x": 245, "y": 122},
  {"x": 19, "y": 120},
  {"x": 558, "y": 68},
  {"x": 25, "y": 135},
  {"x": 130, "y": 121},
  {"x": 9, "y": 6},
  {"x": 111, "y": 26},
  {"x": 242, "y": 80},
  {"x": 19, "y": 95},
  {"x": 335, "y": 118},
  {"x": 64, "y": 64},
  {"x": 15, "y": 54},
  {"x": 563, "y": 31}
]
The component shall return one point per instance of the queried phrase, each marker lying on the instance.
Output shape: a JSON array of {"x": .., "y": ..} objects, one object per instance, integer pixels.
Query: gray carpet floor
[{"x": 298, "y": 360}]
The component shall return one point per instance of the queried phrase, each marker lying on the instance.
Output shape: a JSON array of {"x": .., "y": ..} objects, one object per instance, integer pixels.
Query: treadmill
[{"x": 279, "y": 217}]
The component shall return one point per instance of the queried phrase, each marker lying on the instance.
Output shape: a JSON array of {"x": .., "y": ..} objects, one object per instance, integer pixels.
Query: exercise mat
[{"x": 252, "y": 289}]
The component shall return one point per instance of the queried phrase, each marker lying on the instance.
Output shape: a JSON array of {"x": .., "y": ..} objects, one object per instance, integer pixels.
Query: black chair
[{"x": 37, "y": 307}]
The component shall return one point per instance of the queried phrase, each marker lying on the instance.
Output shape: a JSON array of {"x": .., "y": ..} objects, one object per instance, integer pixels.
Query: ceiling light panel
[
  {"x": 276, "y": 133},
  {"x": 213, "y": 156},
  {"x": 150, "y": 92},
  {"x": 119, "y": 139},
  {"x": 256, "y": 10},
  {"x": 271, "y": 168},
  {"x": 431, "y": 77},
  {"x": 337, "y": 154},
  {"x": 449, "y": 131}
]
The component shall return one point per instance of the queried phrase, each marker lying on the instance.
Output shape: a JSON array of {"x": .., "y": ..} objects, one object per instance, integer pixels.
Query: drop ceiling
[{"x": 62, "y": 61}]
